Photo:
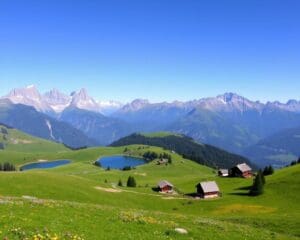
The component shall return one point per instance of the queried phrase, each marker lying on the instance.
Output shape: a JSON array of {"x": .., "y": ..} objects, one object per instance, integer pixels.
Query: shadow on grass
[
  {"x": 244, "y": 188},
  {"x": 240, "y": 194},
  {"x": 155, "y": 189},
  {"x": 193, "y": 195}
]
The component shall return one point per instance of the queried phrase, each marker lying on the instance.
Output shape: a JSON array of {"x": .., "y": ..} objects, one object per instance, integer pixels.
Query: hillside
[
  {"x": 67, "y": 202},
  {"x": 17, "y": 141},
  {"x": 35, "y": 123},
  {"x": 187, "y": 147},
  {"x": 103, "y": 129},
  {"x": 278, "y": 149}
]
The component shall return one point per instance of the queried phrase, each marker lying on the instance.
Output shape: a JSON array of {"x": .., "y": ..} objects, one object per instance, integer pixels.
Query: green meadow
[{"x": 82, "y": 201}]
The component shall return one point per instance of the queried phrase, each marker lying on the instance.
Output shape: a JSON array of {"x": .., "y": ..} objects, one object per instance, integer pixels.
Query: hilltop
[{"x": 201, "y": 153}]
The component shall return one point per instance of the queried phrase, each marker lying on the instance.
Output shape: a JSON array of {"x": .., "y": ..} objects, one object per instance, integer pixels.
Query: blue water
[
  {"x": 50, "y": 164},
  {"x": 119, "y": 162}
]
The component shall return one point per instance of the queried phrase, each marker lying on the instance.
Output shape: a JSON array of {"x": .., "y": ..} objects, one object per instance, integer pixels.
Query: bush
[
  {"x": 97, "y": 163},
  {"x": 126, "y": 168},
  {"x": 2, "y": 146},
  {"x": 131, "y": 182}
]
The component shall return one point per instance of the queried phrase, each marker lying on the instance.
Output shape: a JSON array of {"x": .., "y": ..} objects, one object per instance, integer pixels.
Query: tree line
[
  {"x": 7, "y": 167},
  {"x": 201, "y": 153}
]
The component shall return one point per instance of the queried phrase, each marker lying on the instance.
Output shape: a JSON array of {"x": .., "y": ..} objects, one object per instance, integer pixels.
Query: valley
[{"x": 82, "y": 201}]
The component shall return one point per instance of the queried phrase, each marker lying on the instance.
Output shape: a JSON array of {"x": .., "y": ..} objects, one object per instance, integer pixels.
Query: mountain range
[{"x": 228, "y": 121}]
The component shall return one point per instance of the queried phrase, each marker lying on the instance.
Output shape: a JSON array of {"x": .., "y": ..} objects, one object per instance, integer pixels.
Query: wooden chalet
[
  {"x": 165, "y": 187},
  {"x": 223, "y": 172},
  {"x": 208, "y": 189},
  {"x": 242, "y": 170},
  {"x": 162, "y": 161}
]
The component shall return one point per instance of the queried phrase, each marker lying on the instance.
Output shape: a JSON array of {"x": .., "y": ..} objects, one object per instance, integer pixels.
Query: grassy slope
[
  {"x": 77, "y": 207},
  {"x": 18, "y": 141}
]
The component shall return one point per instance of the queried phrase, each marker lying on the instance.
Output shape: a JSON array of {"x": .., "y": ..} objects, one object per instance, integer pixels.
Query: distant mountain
[
  {"x": 54, "y": 102},
  {"x": 57, "y": 100},
  {"x": 187, "y": 147},
  {"x": 228, "y": 121},
  {"x": 95, "y": 125},
  {"x": 152, "y": 116},
  {"x": 279, "y": 149},
  {"x": 29, "y": 120},
  {"x": 29, "y": 96}
]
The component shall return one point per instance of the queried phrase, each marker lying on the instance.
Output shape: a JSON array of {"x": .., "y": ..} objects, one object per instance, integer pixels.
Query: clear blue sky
[{"x": 155, "y": 49}]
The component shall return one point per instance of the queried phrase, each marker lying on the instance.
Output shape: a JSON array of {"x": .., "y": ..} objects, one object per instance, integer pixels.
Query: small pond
[
  {"x": 45, "y": 164},
  {"x": 119, "y": 162}
]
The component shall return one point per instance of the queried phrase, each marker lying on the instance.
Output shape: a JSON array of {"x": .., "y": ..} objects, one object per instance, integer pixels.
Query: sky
[{"x": 160, "y": 50}]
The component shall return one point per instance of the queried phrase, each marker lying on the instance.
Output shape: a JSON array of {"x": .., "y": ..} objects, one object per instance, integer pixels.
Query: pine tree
[
  {"x": 258, "y": 186},
  {"x": 271, "y": 170},
  {"x": 120, "y": 184},
  {"x": 131, "y": 182},
  {"x": 298, "y": 160}
]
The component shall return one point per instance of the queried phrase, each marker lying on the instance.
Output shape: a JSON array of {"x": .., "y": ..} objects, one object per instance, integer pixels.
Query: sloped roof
[
  {"x": 224, "y": 171},
  {"x": 164, "y": 183},
  {"x": 210, "y": 186},
  {"x": 243, "y": 167}
]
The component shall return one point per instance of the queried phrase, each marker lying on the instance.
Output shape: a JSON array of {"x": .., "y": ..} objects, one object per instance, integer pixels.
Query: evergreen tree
[
  {"x": 120, "y": 184},
  {"x": 293, "y": 163},
  {"x": 131, "y": 182},
  {"x": 268, "y": 170},
  {"x": 258, "y": 185},
  {"x": 298, "y": 160}
]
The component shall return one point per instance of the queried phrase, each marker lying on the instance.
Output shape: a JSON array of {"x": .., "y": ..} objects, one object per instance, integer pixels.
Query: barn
[
  {"x": 242, "y": 170},
  {"x": 208, "y": 189},
  {"x": 165, "y": 187},
  {"x": 223, "y": 172}
]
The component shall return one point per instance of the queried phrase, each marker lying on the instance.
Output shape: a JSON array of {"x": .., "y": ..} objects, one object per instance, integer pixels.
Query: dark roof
[
  {"x": 164, "y": 183},
  {"x": 243, "y": 167},
  {"x": 210, "y": 186}
]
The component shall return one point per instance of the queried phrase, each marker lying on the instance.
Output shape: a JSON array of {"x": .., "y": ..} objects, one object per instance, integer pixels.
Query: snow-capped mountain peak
[
  {"x": 56, "y": 100},
  {"x": 82, "y": 100},
  {"x": 28, "y": 96},
  {"x": 136, "y": 105}
]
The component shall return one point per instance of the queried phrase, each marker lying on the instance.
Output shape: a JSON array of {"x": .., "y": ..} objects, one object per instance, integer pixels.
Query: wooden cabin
[
  {"x": 165, "y": 187},
  {"x": 223, "y": 172},
  {"x": 162, "y": 161},
  {"x": 242, "y": 170},
  {"x": 208, "y": 189}
]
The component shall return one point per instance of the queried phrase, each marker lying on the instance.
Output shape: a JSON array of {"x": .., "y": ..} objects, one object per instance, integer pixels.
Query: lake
[
  {"x": 119, "y": 162},
  {"x": 46, "y": 164}
]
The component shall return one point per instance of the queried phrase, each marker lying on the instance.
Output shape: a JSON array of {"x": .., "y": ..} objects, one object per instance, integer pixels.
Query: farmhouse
[
  {"x": 165, "y": 187},
  {"x": 208, "y": 189},
  {"x": 223, "y": 172},
  {"x": 242, "y": 170}
]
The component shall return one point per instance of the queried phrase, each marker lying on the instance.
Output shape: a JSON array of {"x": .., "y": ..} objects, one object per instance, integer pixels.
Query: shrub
[{"x": 126, "y": 168}]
